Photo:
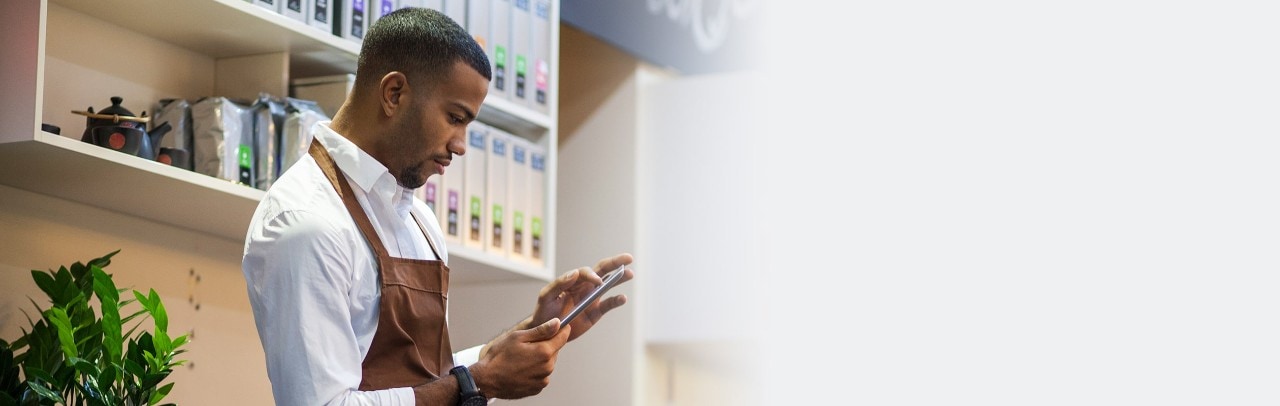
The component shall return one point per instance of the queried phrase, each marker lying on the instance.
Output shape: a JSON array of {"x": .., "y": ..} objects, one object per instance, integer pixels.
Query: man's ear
[{"x": 393, "y": 92}]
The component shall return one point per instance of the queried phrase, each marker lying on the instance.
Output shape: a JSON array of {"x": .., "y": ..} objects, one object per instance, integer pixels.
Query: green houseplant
[{"x": 72, "y": 355}]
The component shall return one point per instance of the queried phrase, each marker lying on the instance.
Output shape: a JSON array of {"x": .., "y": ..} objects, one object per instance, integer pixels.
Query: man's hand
[
  {"x": 560, "y": 296},
  {"x": 519, "y": 363}
]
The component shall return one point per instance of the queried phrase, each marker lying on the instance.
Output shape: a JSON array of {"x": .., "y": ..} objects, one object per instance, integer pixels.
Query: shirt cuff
[{"x": 468, "y": 356}]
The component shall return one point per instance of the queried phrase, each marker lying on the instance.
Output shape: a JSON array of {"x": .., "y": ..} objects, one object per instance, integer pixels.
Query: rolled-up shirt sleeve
[{"x": 298, "y": 269}]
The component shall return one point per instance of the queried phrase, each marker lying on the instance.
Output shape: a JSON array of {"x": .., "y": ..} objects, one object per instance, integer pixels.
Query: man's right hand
[{"x": 519, "y": 363}]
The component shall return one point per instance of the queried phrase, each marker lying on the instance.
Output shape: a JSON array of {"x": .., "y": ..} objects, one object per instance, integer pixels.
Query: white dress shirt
[{"x": 313, "y": 279}]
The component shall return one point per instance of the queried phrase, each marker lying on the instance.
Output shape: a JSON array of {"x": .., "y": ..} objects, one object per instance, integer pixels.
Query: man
[{"x": 345, "y": 269}]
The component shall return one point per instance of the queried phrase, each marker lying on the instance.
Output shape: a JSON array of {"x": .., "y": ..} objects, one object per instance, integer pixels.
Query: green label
[
  {"x": 500, "y": 53},
  {"x": 519, "y": 64},
  {"x": 517, "y": 218},
  {"x": 536, "y": 227},
  {"x": 246, "y": 156},
  {"x": 497, "y": 214},
  {"x": 475, "y": 204}
]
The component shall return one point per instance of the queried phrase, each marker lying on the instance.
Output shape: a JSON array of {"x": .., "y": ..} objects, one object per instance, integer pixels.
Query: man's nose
[{"x": 458, "y": 145}]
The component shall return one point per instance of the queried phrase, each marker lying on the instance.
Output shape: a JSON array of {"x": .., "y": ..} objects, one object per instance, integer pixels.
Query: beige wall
[{"x": 226, "y": 362}]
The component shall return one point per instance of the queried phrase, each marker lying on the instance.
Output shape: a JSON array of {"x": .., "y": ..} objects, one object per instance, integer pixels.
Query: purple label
[
  {"x": 358, "y": 5},
  {"x": 387, "y": 6},
  {"x": 453, "y": 200},
  {"x": 431, "y": 192}
]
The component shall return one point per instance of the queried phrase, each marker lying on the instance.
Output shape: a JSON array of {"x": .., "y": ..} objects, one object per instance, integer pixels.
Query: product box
[
  {"x": 295, "y": 9},
  {"x": 475, "y": 216},
  {"x": 177, "y": 113},
  {"x": 478, "y": 25},
  {"x": 246, "y": 164},
  {"x": 217, "y": 130},
  {"x": 457, "y": 10},
  {"x": 301, "y": 117},
  {"x": 537, "y": 202},
  {"x": 273, "y": 5},
  {"x": 500, "y": 39},
  {"x": 541, "y": 45},
  {"x": 379, "y": 8},
  {"x": 521, "y": 30},
  {"x": 349, "y": 21},
  {"x": 451, "y": 210},
  {"x": 266, "y": 141},
  {"x": 496, "y": 192},
  {"x": 327, "y": 91},
  {"x": 409, "y": 3},
  {"x": 518, "y": 199},
  {"x": 320, "y": 14}
]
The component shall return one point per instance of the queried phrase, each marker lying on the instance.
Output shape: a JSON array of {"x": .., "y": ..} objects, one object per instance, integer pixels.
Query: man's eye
[{"x": 455, "y": 119}]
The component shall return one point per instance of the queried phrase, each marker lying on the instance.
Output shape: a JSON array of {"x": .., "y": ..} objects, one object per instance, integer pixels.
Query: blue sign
[{"x": 690, "y": 36}]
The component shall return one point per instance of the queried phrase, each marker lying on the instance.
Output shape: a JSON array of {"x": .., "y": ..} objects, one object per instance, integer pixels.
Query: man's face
[{"x": 433, "y": 126}]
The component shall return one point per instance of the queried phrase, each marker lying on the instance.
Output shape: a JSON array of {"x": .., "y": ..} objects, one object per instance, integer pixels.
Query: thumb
[{"x": 543, "y": 331}]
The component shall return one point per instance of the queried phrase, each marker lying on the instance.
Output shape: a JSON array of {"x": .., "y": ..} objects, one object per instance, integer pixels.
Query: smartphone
[{"x": 611, "y": 279}]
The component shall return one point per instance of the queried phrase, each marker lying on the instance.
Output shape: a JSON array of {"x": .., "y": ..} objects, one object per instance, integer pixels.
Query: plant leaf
[
  {"x": 131, "y": 316},
  {"x": 103, "y": 261},
  {"x": 179, "y": 342},
  {"x": 84, "y": 366},
  {"x": 157, "y": 312},
  {"x": 142, "y": 300},
  {"x": 45, "y": 392},
  {"x": 163, "y": 345},
  {"x": 58, "y": 318},
  {"x": 38, "y": 375},
  {"x": 45, "y": 282},
  {"x": 133, "y": 368},
  {"x": 160, "y": 393},
  {"x": 108, "y": 300}
]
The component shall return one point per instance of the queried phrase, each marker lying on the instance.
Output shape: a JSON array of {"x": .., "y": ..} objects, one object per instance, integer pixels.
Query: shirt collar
[{"x": 367, "y": 173}]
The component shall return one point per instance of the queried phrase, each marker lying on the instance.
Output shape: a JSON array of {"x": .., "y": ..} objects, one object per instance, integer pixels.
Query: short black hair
[{"x": 419, "y": 42}]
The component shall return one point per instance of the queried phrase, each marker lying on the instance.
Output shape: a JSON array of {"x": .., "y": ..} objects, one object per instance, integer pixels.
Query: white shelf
[
  {"x": 69, "y": 169},
  {"x": 66, "y": 168},
  {"x": 513, "y": 117},
  {"x": 227, "y": 28},
  {"x": 471, "y": 265}
]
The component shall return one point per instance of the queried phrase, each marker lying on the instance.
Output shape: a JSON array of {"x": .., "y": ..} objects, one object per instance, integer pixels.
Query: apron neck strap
[{"x": 343, "y": 188}]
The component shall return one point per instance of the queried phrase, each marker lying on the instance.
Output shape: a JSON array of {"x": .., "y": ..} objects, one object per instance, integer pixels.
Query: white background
[{"x": 1017, "y": 203}]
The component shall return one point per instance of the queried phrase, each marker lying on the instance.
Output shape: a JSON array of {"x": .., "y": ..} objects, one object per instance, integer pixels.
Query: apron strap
[
  {"x": 348, "y": 197},
  {"x": 430, "y": 243},
  {"x": 340, "y": 185}
]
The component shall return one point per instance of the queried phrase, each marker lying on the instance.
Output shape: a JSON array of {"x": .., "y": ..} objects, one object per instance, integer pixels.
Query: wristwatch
[{"x": 468, "y": 393}]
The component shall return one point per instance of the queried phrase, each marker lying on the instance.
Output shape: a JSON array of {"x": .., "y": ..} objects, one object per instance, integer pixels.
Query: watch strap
[{"x": 467, "y": 389}]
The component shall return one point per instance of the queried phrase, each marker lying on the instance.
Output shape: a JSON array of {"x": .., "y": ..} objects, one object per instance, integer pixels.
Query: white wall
[{"x": 699, "y": 233}]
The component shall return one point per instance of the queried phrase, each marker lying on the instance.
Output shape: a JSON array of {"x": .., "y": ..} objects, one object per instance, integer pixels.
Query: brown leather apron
[{"x": 411, "y": 345}]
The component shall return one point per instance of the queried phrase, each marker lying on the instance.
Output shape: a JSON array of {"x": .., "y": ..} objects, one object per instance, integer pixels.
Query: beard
[{"x": 411, "y": 177}]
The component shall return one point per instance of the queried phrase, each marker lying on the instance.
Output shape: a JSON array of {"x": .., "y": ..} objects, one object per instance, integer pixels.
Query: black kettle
[{"x": 117, "y": 128}]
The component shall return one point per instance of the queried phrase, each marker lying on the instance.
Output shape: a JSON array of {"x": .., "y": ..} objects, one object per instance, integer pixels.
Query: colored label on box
[
  {"x": 453, "y": 213},
  {"x": 500, "y": 67},
  {"x": 431, "y": 196},
  {"x": 475, "y": 218},
  {"x": 322, "y": 11},
  {"x": 520, "y": 70},
  {"x": 536, "y": 229},
  {"x": 497, "y": 226},
  {"x": 517, "y": 227}
]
